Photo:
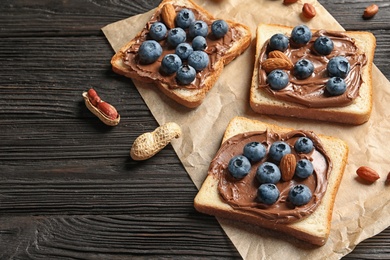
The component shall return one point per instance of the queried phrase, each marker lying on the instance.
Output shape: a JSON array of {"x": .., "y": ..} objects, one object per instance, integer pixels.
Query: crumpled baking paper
[{"x": 360, "y": 210}]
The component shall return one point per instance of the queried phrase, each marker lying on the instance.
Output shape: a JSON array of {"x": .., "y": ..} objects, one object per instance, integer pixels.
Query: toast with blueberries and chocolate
[
  {"x": 313, "y": 74},
  {"x": 277, "y": 178},
  {"x": 182, "y": 50}
]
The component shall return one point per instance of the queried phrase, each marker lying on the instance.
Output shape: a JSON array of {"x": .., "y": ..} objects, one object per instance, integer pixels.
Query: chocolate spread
[
  {"x": 215, "y": 49},
  {"x": 311, "y": 92},
  {"x": 242, "y": 194}
]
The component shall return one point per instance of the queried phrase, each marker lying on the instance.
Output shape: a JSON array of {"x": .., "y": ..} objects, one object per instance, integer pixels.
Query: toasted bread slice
[
  {"x": 189, "y": 97},
  {"x": 314, "y": 228},
  {"x": 355, "y": 113}
]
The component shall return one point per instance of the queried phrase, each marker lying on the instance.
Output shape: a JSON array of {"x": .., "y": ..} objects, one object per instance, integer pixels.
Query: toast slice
[
  {"x": 354, "y": 113},
  {"x": 315, "y": 227},
  {"x": 235, "y": 42}
]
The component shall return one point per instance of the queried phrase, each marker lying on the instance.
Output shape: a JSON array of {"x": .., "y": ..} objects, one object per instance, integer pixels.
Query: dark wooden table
[{"x": 68, "y": 188}]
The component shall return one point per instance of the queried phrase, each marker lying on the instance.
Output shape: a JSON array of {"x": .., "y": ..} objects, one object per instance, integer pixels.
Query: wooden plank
[{"x": 113, "y": 237}]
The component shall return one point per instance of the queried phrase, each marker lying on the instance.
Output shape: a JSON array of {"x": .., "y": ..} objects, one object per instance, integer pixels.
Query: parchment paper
[{"x": 360, "y": 211}]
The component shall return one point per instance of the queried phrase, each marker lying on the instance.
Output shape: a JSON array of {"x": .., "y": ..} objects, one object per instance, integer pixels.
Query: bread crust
[
  {"x": 188, "y": 97},
  {"x": 356, "y": 113},
  {"x": 315, "y": 228}
]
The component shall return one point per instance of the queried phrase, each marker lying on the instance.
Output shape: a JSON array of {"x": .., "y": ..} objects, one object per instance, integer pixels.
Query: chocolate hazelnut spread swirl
[
  {"x": 241, "y": 194},
  {"x": 311, "y": 92},
  {"x": 215, "y": 49}
]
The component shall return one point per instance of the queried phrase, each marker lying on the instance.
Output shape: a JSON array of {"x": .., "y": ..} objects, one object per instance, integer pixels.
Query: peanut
[
  {"x": 104, "y": 111},
  {"x": 148, "y": 144},
  {"x": 93, "y": 97},
  {"x": 108, "y": 110},
  {"x": 308, "y": 11},
  {"x": 370, "y": 11}
]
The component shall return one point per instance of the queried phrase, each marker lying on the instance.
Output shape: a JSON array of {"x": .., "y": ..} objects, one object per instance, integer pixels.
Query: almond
[
  {"x": 168, "y": 15},
  {"x": 308, "y": 11},
  {"x": 370, "y": 11},
  {"x": 280, "y": 55},
  {"x": 276, "y": 63},
  {"x": 287, "y": 166},
  {"x": 388, "y": 178},
  {"x": 367, "y": 174},
  {"x": 287, "y": 2}
]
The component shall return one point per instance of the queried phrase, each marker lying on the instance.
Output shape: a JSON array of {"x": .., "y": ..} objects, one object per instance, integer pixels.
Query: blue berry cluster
[
  {"x": 188, "y": 57},
  {"x": 239, "y": 166},
  {"x": 268, "y": 173},
  {"x": 338, "y": 66}
]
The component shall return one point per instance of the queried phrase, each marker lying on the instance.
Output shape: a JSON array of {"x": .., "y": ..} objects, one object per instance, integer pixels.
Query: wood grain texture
[{"x": 68, "y": 188}]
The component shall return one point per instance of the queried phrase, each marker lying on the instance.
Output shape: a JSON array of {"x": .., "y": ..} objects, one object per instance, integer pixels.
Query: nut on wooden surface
[
  {"x": 99, "y": 113},
  {"x": 148, "y": 144},
  {"x": 370, "y": 11}
]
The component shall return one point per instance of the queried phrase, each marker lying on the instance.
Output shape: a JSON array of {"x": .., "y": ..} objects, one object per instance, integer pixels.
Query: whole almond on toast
[
  {"x": 287, "y": 166},
  {"x": 276, "y": 63},
  {"x": 280, "y": 55},
  {"x": 168, "y": 15}
]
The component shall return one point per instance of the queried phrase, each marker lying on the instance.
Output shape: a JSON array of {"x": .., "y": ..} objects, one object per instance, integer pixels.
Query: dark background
[{"x": 68, "y": 188}]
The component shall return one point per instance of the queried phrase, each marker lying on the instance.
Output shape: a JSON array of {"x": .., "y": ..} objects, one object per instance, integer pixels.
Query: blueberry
[
  {"x": 301, "y": 35},
  {"x": 303, "y": 145},
  {"x": 268, "y": 172},
  {"x": 176, "y": 36},
  {"x": 279, "y": 149},
  {"x": 336, "y": 86},
  {"x": 304, "y": 168},
  {"x": 170, "y": 63},
  {"x": 277, "y": 79},
  {"x": 184, "y": 18},
  {"x": 338, "y": 67},
  {"x": 219, "y": 28},
  {"x": 183, "y": 50},
  {"x": 185, "y": 74},
  {"x": 299, "y": 195},
  {"x": 158, "y": 31},
  {"x": 198, "y": 60},
  {"x": 268, "y": 193},
  {"x": 323, "y": 45},
  {"x": 149, "y": 51},
  {"x": 254, "y": 151},
  {"x": 303, "y": 69},
  {"x": 198, "y": 28},
  {"x": 239, "y": 166},
  {"x": 199, "y": 43},
  {"x": 279, "y": 42}
]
